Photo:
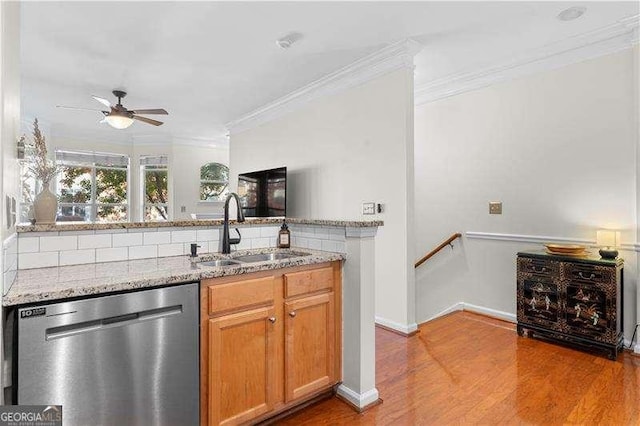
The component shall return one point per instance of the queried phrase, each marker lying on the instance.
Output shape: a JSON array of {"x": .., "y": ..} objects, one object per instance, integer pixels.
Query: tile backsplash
[
  {"x": 10, "y": 261},
  {"x": 44, "y": 249}
]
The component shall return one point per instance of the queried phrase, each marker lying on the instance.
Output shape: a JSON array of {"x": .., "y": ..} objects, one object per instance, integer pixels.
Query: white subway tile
[
  {"x": 273, "y": 242},
  {"x": 259, "y": 243},
  {"x": 322, "y": 233},
  {"x": 245, "y": 243},
  {"x": 247, "y": 232},
  {"x": 111, "y": 231},
  {"x": 163, "y": 237},
  {"x": 214, "y": 246},
  {"x": 126, "y": 240},
  {"x": 76, "y": 233},
  {"x": 207, "y": 234},
  {"x": 269, "y": 231},
  {"x": 306, "y": 232},
  {"x": 183, "y": 236},
  {"x": 58, "y": 243},
  {"x": 28, "y": 244},
  {"x": 165, "y": 250},
  {"x": 37, "y": 260},
  {"x": 77, "y": 257},
  {"x": 337, "y": 234},
  {"x": 143, "y": 252},
  {"x": 328, "y": 245},
  {"x": 111, "y": 254},
  {"x": 315, "y": 244},
  {"x": 302, "y": 242},
  {"x": 341, "y": 246},
  {"x": 94, "y": 241}
]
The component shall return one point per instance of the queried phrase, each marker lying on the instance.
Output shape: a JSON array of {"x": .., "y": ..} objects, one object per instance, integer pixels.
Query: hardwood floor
[{"x": 469, "y": 369}]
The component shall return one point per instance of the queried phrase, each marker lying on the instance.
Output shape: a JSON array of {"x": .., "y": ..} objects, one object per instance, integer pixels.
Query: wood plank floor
[{"x": 469, "y": 369}]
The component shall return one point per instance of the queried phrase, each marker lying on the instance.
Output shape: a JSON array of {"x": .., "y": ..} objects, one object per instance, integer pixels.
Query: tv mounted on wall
[{"x": 263, "y": 193}]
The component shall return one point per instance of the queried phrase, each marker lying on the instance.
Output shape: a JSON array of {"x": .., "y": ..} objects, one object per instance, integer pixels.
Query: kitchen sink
[
  {"x": 264, "y": 257},
  {"x": 220, "y": 262}
]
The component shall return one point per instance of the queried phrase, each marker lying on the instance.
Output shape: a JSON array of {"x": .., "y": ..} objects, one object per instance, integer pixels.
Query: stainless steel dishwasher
[{"x": 124, "y": 359}]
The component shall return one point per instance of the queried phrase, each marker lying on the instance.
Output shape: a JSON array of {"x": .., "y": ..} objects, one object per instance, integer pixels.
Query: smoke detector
[
  {"x": 572, "y": 13},
  {"x": 286, "y": 41}
]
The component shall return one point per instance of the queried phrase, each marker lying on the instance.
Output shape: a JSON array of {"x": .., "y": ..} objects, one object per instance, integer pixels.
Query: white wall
[
  {"x": 9, "y": 131},
  {"x": 186, "y": 163},
  {"x": 557, "y": 148},
  {"x": 340, "y": 151}
]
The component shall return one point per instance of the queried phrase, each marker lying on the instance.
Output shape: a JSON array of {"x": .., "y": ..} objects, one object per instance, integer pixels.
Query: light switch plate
[
  {"x": 495, "y": 207},
  {"x": 368, "y": 208}
]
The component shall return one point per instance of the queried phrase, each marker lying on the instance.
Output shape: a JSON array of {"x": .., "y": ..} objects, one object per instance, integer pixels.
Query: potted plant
[{"x": 44, "y": 169}]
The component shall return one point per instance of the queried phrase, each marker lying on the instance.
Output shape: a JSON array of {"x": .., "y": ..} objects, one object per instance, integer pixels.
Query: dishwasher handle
[{"x": 111, "y": 322}]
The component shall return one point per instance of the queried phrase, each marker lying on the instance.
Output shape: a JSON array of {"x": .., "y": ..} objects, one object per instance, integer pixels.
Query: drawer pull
[
  {"x": 590, "y": 277},
  {"x": 272, "y": 320},
  {"x": 292, "y": 314},
  {"x": 543, "y": 269}
]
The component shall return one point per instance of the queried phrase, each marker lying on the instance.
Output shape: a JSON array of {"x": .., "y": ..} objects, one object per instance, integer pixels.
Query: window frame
[
  {"x": 144, "y": 168},
  {"x": 220, "y": 198},
  {"x": 94, "y": 205}
]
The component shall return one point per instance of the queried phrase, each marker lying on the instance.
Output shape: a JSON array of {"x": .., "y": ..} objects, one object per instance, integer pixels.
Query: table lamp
[{"x": 607, "y": 240}]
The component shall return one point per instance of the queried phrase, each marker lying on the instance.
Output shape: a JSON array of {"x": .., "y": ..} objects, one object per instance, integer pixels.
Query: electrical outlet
[
  {"x": 368, "y": 208},
  {"x": 495, "y": 207},
  {"x": 183, "y": 209}
]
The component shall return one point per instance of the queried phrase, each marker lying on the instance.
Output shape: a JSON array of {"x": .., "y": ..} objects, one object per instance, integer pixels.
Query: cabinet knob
[
  {"x": 292, "y": 314},
  {"x": 272, "y": 320}
]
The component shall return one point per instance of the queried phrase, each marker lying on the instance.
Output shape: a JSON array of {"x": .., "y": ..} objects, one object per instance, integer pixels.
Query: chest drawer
[
  {"x": 578, "y": 272},
  {"x": 305, "y": 282},
  {"x": 240, "y": 294},
  {"x": 542, "y": 267}
]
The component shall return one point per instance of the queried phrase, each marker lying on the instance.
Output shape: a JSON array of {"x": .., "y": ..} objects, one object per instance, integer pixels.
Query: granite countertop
[
  {"x": 49, "y": 284},
  {"x": 84, "y": 226}
]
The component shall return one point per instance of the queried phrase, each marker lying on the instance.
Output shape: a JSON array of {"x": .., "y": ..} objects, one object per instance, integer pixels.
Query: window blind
[
  {"x": 154, "y": 160},
  {"x": 92, "y": 158}
]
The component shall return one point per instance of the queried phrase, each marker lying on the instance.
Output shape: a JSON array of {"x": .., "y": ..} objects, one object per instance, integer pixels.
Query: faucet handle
[{"x": 236, "y": 240}]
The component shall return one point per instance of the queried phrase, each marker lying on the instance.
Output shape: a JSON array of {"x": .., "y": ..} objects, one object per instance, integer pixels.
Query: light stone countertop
[
  {"x": 59, "y": 283},
  {"x": 85, "y": 226}
]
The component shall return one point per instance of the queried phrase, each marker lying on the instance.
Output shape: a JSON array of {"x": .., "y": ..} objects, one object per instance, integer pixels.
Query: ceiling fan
[{"x": 120, "y": 117}]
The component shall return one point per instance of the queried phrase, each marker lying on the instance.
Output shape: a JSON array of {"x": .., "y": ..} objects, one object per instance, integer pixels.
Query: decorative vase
[{"x": 45, "y": 206}]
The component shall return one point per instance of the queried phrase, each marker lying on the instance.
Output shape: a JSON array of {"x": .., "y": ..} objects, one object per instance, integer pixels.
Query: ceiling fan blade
[
  {"x": 150, "y": 111},
  {"x": 103, "y": 101},
  {"x": 147, "y": 120},
  {"x": 78, "y": 109}
]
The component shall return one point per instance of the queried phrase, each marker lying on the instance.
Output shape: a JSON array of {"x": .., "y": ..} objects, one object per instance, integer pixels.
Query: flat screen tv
[{"x": 263, "y": 193}]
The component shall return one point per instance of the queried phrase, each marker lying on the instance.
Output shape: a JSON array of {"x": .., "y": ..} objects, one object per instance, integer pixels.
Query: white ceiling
[{"x": 208, "y": 63}]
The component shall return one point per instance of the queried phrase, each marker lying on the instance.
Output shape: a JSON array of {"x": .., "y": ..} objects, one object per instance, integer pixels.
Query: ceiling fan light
[{"x": 118, "y": 121}]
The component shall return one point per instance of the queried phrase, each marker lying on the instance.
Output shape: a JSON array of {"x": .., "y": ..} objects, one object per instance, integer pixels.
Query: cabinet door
[
  {"x": 309, "y": 345},
  {"x": 539, "y": 301},
  {"x": 241, "y": 366}
]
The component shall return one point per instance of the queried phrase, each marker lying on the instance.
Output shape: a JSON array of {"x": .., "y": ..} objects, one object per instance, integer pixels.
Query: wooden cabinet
[
  {"x": 269, "y": 341},
  {"x": 575, "y": 300}
]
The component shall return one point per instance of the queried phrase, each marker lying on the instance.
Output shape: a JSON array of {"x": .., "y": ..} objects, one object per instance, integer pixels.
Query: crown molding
[
  {"x": 390, "y": 58},
  {"x": 612, "y": 38}
]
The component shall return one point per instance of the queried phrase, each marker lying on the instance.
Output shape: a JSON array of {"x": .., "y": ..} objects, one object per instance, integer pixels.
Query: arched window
[{"x": 214, "y": 182}]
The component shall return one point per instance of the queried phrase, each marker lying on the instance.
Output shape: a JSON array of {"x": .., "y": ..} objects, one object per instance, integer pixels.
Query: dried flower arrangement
[{"x": 41, "y": 167}]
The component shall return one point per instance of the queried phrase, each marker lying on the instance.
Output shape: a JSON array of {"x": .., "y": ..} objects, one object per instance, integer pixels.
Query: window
[
  {"x": 154, "y": 176},
  {"x": 214, "y": 182},
  {"x": 92, "y": 186}
]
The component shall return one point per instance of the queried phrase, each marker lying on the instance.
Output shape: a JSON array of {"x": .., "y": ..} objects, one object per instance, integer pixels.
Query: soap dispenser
[{"x": 284, "y": 236}]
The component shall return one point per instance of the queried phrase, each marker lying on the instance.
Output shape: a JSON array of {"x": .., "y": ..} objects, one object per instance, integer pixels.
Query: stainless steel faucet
[{"x": 226, "y": 240}]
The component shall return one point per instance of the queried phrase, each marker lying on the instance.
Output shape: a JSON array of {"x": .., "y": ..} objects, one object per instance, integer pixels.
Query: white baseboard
[
  {"x": 359, "y": 400},
  {"x": 401, "y": 328},
  {"x": 506, "y": 316},
  {"x": 463, "y": 306}
]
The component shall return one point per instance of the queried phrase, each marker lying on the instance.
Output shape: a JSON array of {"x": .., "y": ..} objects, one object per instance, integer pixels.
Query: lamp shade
[
  {"x": 118, "y": 121},
  {"x": 607, "y": 238}
]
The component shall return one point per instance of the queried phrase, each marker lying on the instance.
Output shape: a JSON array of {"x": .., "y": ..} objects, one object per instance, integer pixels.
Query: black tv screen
[{"x": 263, "y": 193}]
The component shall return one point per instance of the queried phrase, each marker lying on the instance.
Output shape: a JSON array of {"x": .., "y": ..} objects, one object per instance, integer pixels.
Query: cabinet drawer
[
  {"x": 588, "y": 273},
  {"x": 544, "y": 267},
  {"x": 304, "y": 282},
  {"x": 240, "y": 294}
]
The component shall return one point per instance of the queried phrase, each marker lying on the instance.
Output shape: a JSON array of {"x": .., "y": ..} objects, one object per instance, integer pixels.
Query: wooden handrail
[{"x": 445, "y": 243}]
